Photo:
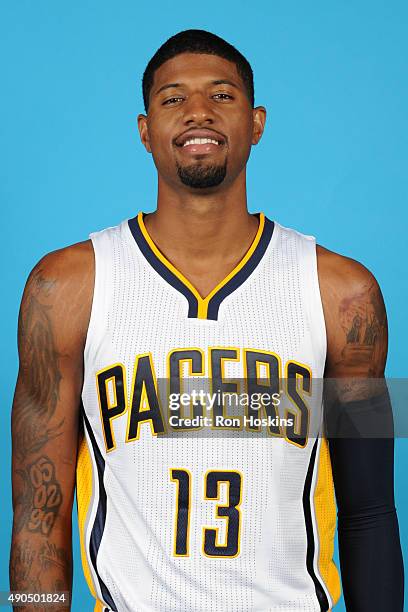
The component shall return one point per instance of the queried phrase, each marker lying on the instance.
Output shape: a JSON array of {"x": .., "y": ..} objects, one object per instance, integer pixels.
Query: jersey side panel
[
  {"x": 84, "y": 487},
  {"x": 325, "y": 508}
]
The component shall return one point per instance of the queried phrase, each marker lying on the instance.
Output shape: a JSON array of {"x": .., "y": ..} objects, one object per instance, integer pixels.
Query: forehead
[{"x": 189, "y": 68}]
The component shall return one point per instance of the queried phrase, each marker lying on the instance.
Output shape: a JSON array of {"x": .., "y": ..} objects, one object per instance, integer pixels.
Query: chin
[{"x": 202, "y": 176}]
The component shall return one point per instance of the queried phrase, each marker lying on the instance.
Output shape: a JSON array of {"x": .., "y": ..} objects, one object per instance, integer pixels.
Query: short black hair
[{"x": 197, "y": 41}]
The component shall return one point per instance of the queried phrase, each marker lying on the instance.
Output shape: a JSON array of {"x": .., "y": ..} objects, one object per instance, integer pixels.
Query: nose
[{"x": 198, "y": 110}]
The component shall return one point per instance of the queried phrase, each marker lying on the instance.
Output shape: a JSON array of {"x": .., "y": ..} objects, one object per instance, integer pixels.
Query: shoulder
[
  {"x": 63, "y": 268},
  {"x": 68, "y": 263},
  {"x": 355, "y": 317},
  {"x": 342, "y": 275}
]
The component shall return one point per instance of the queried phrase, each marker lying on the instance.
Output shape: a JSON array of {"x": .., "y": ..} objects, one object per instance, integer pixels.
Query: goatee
[{"x": 202, "y": 177}]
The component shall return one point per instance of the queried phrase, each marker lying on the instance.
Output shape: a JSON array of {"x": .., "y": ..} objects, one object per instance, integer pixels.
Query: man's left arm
[{"x": 359, "y": 428}]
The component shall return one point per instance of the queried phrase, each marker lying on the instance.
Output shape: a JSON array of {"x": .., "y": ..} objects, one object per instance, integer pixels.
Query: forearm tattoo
[
  {"x": 28, "y": 565},
  {"x": 41, "y": 497}
]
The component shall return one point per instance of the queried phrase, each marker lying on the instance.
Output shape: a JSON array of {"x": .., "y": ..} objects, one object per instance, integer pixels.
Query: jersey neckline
[{"x": 199, "y": 307}]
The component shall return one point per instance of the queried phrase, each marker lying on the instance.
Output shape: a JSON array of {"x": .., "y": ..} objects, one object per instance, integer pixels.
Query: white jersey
[{"x": 173, "y": 519}]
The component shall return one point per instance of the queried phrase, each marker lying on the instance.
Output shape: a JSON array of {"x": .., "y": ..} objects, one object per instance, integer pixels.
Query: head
[{"x": 200, "y": 120}]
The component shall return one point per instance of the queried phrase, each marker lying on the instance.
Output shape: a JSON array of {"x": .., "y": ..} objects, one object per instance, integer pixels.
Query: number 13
[{"x": 230, "y": 512}]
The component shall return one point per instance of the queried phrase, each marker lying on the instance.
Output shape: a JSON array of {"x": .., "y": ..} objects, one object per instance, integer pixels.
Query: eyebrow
[
  {"x": 216, "y": 82},
  {"x": 168, "y": 86},
  {"x": 225, "y": 82}
]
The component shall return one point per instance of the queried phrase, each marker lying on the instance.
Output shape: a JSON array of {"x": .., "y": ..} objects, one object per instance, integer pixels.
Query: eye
[
  {"x": 172, "y": 100},
  {"x": 223, "y": 96}
]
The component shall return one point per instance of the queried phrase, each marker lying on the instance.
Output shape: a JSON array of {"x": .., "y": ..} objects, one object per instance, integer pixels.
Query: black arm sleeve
[{"x": 369, "y": 545}]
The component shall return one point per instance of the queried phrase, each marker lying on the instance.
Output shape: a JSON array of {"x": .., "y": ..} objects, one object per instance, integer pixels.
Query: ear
[
  {"x": 144, "y": 132},
  {"x": 259, "y": 119}
]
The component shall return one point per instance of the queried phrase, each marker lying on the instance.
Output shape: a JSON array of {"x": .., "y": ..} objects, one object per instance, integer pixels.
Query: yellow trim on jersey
[
  {"x": 84, "y": 496},
  {"x": 202, "y": 302},
  {"x": 325, "y": 511}
]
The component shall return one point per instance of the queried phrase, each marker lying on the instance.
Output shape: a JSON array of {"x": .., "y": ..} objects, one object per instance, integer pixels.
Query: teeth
[{"x": 200, "y": 141}]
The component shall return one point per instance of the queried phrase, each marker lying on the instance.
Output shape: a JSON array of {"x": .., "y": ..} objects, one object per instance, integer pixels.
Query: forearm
[
  {"x": 369, "y": 545},
  {"x": 41, "y": 548},
  {"x": 43, "y": 488},
  {"x": 42, "y": 564},
  {"x": 371, "y": 562}
]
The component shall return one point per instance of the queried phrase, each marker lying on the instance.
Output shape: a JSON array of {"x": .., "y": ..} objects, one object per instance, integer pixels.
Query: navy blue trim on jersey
[
  {"x": 99, "y": 523},
  {"x": 162, "y": 269},
  {"x": 320, "y": 592},
  {"x": 224, "y": 291},
  {"x": 241, "y": 276}
]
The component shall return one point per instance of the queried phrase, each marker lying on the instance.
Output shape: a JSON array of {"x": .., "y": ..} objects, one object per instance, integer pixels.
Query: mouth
[{"x": 200, "y": 141}]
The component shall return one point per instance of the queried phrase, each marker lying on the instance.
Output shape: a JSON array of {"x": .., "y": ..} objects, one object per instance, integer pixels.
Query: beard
[{"x": 202, "y": 177}]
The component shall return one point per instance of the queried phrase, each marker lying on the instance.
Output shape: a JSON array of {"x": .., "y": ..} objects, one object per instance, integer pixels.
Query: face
[{"x": 200, "y": 124}]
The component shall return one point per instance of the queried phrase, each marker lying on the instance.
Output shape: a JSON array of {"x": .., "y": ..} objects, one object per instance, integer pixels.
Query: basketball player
[{"x": 200, "y": 288}]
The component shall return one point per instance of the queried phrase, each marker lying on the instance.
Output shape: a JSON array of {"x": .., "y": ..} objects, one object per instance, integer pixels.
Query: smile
[
  {"x": 200, "y": 141},
  {"x": 200, "y": 138}
]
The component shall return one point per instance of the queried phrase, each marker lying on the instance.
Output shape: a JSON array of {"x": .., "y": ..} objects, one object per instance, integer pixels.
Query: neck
[
  {"x": 202, "y": 225},
  {"x": 204, "y": 235}
]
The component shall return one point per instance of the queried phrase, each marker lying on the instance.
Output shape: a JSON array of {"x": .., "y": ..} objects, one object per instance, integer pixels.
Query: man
[{"x": 175, "y": 520}]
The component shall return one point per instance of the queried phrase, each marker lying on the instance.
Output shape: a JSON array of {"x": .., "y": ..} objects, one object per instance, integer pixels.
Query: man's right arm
[{"x": 53, "y": 320}]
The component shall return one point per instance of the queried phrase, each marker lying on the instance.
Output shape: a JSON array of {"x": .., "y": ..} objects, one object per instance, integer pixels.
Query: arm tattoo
[
  {"x": 41, "y": 498},
  {"x": 51, "y": 555},
  {"x": 363, "y": 320},
  {"x": 28, "y": 565},
  {"x": 37, "y": 562},
  {"x": 21, "y": 565},
  {"x": 36, "y": 399}
]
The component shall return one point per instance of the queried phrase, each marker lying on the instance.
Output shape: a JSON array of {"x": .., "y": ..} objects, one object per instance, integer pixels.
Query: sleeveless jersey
[{"x": 182, "y": 520}]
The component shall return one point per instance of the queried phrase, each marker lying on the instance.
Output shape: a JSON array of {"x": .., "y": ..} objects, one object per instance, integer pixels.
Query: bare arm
[
  {"x": 362, "y": 449},
  {"x": 52, "y": 326}
]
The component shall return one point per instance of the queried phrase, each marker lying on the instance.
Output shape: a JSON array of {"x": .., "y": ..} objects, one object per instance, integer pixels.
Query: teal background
[{"x": 333, "y": 160}]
